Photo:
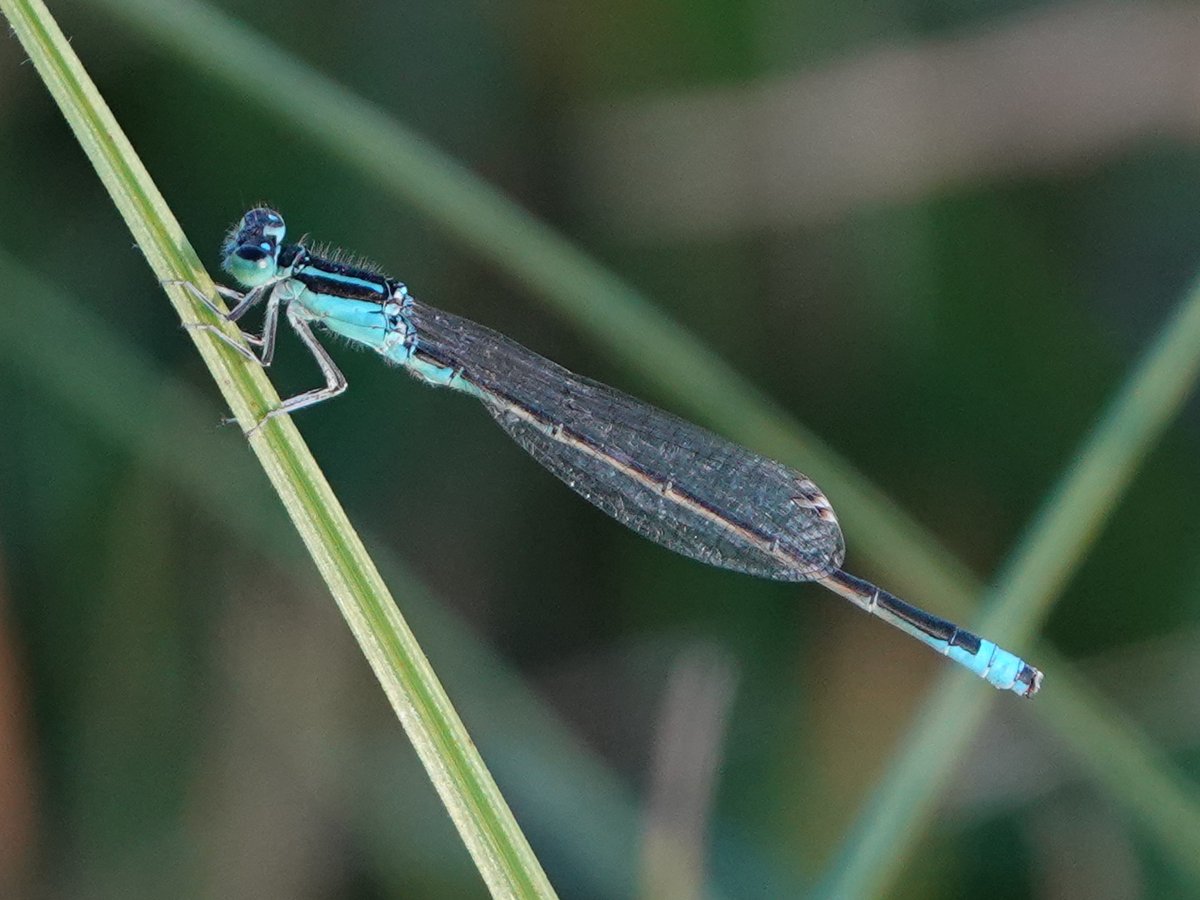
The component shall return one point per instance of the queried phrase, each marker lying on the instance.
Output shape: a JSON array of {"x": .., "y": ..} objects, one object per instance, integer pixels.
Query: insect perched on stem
[{"x": 678, "y": 484}]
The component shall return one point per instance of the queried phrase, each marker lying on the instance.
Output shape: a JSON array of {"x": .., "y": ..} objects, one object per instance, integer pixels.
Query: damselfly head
[{"x": 251, "y": 250}]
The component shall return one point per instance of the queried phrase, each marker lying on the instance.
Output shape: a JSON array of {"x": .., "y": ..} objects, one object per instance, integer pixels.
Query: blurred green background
[{"x": 938, "y": 234}]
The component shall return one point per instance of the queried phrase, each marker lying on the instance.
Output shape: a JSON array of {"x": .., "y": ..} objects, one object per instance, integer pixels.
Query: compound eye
[
  {"x": 253, "y": 253},
  {"x": 252, "y": 264}
]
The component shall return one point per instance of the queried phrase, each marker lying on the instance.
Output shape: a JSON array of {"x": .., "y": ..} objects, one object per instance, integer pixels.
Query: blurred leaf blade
[
  {"x": 633, "y": 332},
  {"x": 1050, "y": 549},
  {"x": 945, "y": 582}
]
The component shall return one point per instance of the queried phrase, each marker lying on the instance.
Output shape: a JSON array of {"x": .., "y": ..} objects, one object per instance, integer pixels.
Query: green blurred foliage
[{"x": 196, "y": 722}]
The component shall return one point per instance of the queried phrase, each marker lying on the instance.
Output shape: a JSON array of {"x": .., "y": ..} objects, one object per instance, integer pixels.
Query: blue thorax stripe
[{"x": 324, "y": 277}]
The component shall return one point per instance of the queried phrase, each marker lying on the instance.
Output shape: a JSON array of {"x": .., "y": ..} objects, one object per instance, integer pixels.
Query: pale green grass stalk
[
  {"x": 1049, "y": 551},
  {"x": 497, "y": 845},
  {"x": 617, "y": 318},
  {"x": 589, "y": 821}
]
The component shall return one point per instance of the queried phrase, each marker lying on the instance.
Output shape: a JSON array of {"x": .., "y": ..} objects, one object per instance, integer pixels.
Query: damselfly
[{"x": 676, "y": 483}]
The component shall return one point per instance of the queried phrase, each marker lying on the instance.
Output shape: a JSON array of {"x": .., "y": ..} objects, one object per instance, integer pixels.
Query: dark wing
[{"x": 669, "y": 480}]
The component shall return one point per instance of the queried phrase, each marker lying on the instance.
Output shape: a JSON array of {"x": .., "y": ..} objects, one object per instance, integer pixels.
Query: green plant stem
[
  {"x": 589, "y": 820},
  {"x": 497, "y": 845}
]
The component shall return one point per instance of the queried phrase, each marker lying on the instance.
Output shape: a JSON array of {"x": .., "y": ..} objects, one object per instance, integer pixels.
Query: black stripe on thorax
[{"x": 336, "y": 279}]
